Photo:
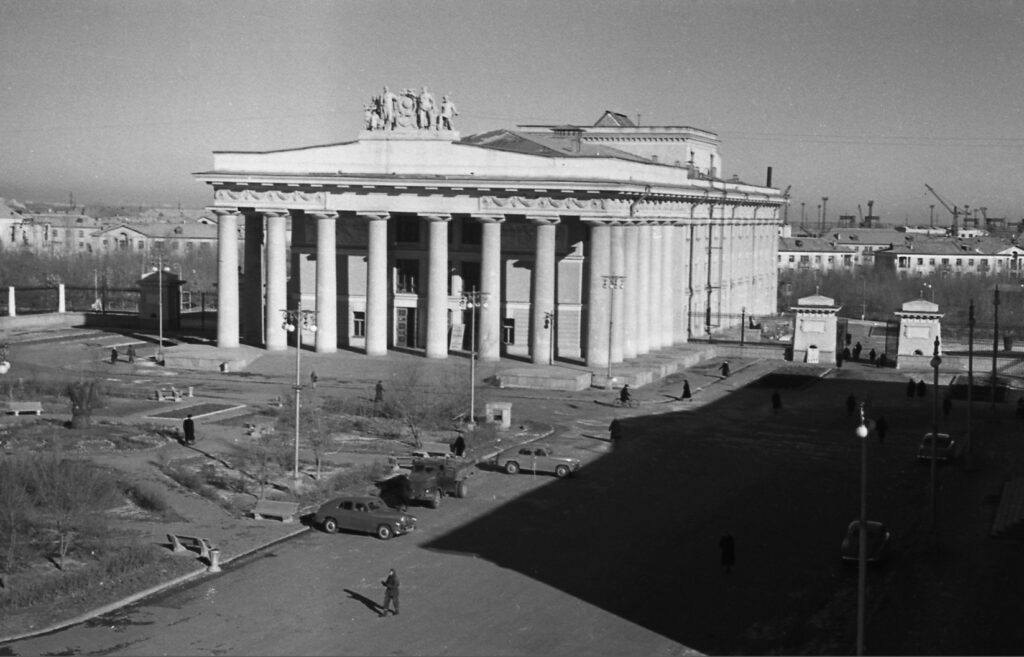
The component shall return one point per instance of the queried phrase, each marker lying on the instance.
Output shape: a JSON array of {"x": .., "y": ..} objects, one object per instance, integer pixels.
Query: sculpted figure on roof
[
  {"x": 426, "y": 110},
  {"x": 448, "y": 112}
]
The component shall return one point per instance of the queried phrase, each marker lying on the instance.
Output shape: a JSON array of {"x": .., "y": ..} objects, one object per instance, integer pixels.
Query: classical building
[{"x": 586, "y": 243}]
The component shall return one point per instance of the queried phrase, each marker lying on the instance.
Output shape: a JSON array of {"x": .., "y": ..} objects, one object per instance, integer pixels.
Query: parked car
[
  {"x": 363, "y": 514},
  {"x": 878, "y": 542},
  {"x": 536, "y": 458},
  {"x": 946, "y": 448}
]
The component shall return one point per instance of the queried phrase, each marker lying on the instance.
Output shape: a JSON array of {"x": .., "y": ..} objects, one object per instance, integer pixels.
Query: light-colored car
[
  {"x": 878, "y": 542},
  {"x": 536, "y": 458},
  {"x": 363, "y": 514},
  {"x": 946, "y": 448}
]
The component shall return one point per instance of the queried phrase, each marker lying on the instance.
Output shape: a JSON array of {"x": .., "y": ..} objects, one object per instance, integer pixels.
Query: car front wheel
[
  {"x": 562, "y": 471},
  {"x": 511, "y": 467},
  {"x": 330, "y": 525},
  {"x": 384, "y": 532}
]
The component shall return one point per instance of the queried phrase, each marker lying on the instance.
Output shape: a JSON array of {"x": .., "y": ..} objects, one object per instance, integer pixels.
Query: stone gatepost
[
  {"x": 920, "y": 324},
  {"x": 814, "y": 333}
]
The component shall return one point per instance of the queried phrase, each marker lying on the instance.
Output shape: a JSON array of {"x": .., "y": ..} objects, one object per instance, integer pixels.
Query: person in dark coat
[
  {"x": 856, "y": 350},
  {"x": 725, "y": 369},
  {"x": 390, "y": 593},
  {"x": 459, "y": 446},
  {"x": 851, "y": 404},
  {"x": 881, "y": 428},
  {"x": 776, "y": 401},
  {"x": 727, "y": 546},
  {"x": 687, "y": 395},
  {"x": 872, "y": 356},
  {"x": 131, "y": 353},
  {"x": 189, "y": 427},
  {"x": 922, "y": 389},
  {"x": 615, "y": 430},
  {"x": 911, "y": 389},
  {"x": 113, "y": 355},
  {"x": 378, "y": 392},
  {"x": 313, "y": 378},
  {"x": 947, "y": 405}
]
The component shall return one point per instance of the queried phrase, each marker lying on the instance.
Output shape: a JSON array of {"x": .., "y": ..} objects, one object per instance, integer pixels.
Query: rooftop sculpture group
[{"x": 409, "y": 110}]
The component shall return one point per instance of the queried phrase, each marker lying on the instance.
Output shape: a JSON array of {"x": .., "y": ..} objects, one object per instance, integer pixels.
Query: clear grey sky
[{"x": 121, "y": 101}]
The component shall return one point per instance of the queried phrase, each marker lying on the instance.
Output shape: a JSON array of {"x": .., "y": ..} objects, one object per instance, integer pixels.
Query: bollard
[
  {"x": 214, "y": 561},
  {"x": 191, "y": 391}
]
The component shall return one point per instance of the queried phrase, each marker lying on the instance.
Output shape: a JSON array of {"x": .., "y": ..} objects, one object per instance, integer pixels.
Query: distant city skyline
[{"x": 120, "y": 102}]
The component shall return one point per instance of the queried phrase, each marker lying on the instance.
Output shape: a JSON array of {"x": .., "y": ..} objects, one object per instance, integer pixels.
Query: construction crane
[{"x": 952, "y": 209}]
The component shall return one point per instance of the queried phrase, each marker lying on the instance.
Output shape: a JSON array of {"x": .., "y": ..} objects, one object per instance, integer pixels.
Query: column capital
[
  {"x": 436, "y": 217},
  {"x": 273, "y": 212},
  {"x": 374, "y": 216},
  {"x": 322, "y": 214},
  {"x": 220, "y": 212},
  {"x": 543, "y": 219},
  {"x": 489, "y": 218}
]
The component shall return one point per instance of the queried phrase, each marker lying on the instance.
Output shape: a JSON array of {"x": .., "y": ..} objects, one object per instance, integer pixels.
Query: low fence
[{"x": 67, "y": 298}]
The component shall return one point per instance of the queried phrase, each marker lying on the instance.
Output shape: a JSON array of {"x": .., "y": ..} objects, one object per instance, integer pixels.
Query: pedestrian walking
[
  {"x": 922, "y": 389},
  {"x": 131, "y": 353},
  {"x": 189, "y": 427},
  {"x": 856, "y": 350},
  {"x": 313, "y": 378},
  {"x": 727, "y": 547},
  {"x": 851, "y": 404},
  {"x": 881, "y": 427},
  {"x": 378, "y": 392},
  {"x": 911, "y": 389},
  {"x": 847, "y": 356},
  {"x": 113, "y": 355},
  {"x": 725, "y": 369},
  {"x": 776, "y": 401},
  {"x": 947, "y": 405},
  {"x": 872, "y": 356},
  {"x": 459, "y": 446},
  {"x": 615, "y": 430},
  {"x": 686, "y": 391},
  {"x": 390, "y": 593},
  {"x": 839, "y": 359}
]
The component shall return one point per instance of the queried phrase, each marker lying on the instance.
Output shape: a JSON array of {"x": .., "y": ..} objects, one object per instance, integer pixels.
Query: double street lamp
[
  {"x": 935, "y": 362},
  {"x": 862, "y": 532},
  {"x": 297, "y": 320},
  {"x": 473, "y": 300},
  {"x": 160, "y": 268},
  {"x": 612, "y": 282}
]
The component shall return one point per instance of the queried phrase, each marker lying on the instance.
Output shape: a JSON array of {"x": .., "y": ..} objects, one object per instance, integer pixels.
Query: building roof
[
  {"x": 9, "y": 210},
  {"x": 64, "y": 220},
  {"x": 953, "y": 246},
  {"x": 547, "y": 145},
  {"x": 811, "y": 245},
  {"x": 612, "y": 119}
]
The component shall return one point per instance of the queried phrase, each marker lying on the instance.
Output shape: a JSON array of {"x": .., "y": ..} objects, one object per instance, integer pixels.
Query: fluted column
[
  {"x": 617, "y": 305},
  {"x": 227, "y": 277},
  {"x": 277, "y": 278},
  {"x": 631, "y": 321},
  {"x": 668, "y": 278},
  {"x": 326, "y": 282},
  {"x": 377, "y": 285},
  {"x": 437, "y": 286},
  {"x": 598, "y": 254},
  {"x": 682, "y": 260},
  {"x": 654, "y": 290},
  {"x": 490, "y": 285},
  {"x": 643, "y": 299},
  {"x": 542, "y": 287}
]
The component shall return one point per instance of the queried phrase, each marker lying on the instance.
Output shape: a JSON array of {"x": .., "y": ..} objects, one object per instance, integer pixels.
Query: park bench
[
  {"x": 20, "y": 408},
  {"x": 168, "y": 394},
  {"x": 286, "y": 511},
  {"x": 181, "y": 543}
]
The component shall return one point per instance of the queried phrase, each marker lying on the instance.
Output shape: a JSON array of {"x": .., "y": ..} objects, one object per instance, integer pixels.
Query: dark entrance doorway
[{"x": 405, "y": 328}]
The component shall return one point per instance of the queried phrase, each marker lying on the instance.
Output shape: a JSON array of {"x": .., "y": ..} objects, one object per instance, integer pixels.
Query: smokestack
[{"x": 768, "y": 183}]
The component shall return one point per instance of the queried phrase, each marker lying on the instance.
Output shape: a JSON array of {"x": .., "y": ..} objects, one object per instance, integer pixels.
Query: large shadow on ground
[{"x": 636, "y": 532}]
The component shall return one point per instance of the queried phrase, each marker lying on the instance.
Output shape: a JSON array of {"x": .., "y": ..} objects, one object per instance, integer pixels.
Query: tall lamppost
[
  {"x": 612, "y": 282},
  {"x": 935, "y": 362},
  {"x": 296, "y": 321},
  {"x": 473, "y": 300},
  {"x": 862, "y": 531},
  {"x": 159, "y": 269},
  {"x": 970, "y": 376}
]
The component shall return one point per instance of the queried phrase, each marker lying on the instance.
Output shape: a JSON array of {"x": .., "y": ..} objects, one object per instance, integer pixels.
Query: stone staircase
[{"x": 1009, "y": 520}]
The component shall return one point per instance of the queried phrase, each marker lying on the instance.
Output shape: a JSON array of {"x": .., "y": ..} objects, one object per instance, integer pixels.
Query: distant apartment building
[{"x": 922, "y": 256}]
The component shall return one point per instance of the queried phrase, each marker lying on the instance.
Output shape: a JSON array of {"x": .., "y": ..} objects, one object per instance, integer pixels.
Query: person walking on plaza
[
  {"x": 922, "y": 389},
  {"x": 113, "y": 355},
  {"x": 872, "y": 356},
  {"x": 687, "y": 395},
  {"x": 459, "y": 446},
  {"x": 725, "y": 369},
  {"x": 390, "y": 593},
  {"x": 189, "y": 427},
  {"x": 727, "y": 547},
  {"x": 776, "y": 401},
  {"x": 911, "y": 389},
  {"x": 615, "y": 430},
  {"x": 378, "y": 392},
  {"x": 881, "y": 428},
  {"x": 856, "y": 350},
  {"x": 313, "y": 378},
  {"x": 131, "y": 353}
]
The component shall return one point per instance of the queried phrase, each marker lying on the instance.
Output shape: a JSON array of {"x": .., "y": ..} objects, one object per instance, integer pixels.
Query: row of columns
[{"x": 621, "y": 323}]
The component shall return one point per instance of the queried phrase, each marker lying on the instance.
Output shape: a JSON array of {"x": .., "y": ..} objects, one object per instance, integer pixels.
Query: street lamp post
[
  {"x": 612, "y": 282},
  {"x": 935, "y": 362},
  {"x": 473, "y": 300},
  {"x": 970, "y": 376},
  {"x": 160, "y": 303},
  {"x": 296, "y": 321},
  {"x": 862, "y": 532}
]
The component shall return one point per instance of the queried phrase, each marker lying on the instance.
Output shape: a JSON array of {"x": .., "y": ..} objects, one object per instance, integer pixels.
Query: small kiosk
[
  {"x": 920, "y": 324},
  {"x": 151, "y": 296},
  {"x": 814, "y": 333}
]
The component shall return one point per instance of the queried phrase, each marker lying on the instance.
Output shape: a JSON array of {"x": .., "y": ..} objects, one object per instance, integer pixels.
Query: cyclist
[{"x": 624, "y": 395}]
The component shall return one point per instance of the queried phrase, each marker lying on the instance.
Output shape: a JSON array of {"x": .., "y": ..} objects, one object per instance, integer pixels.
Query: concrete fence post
[
  {"x": 61, "y": 307},
  {"x": 11, "y": 311}
]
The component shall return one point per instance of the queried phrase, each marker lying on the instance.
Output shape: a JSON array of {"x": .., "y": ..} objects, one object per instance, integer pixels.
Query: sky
[{"x": 121, "y": 101}]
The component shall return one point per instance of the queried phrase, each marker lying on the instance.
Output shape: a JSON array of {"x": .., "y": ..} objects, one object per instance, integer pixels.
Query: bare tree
[
  {"x": 14, "y": 502},
  {"x": 85, "y": 396},
  {"x": 425, "y": 402}
]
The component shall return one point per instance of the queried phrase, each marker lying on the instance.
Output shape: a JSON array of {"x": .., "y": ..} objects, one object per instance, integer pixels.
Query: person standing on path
[
  {"x": 313, "y": 378},
  {"x": 725, "y": 369},
  {"x": 390, "y": 593},
  {"x": 687, "y": 395},
  {"x": 113, "y": 355},
  {"x": 727, "y": 546},
  {"x": 922, "y": 389},
  {"x": 881, "y": 427},
  {"x": 378, "y": 392},
  {"x": 131, "y": 353},
  {"x": 459, "y": 446},
  {"x": 911, "y": 389},
  {"x": 189, "y": 427}
]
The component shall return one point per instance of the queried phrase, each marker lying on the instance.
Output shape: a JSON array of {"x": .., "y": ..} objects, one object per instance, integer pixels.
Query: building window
[
  {"x": 817, "y": 259},
  {"x": 970, "y": 262},
  {"x": 175, "y": 245},
  {"x": 105, "y": 243},
  {"x": 920, "y": 261},
  {"x": 904, "y": 262},
  {"x": 406, "y": 275},
  {"x": 831, "y": 259},
  {"x": 945, "y": 261},
  {"x": 189, "y": 245},
  {"x": 358, "y": 324},
  {"x": 81, "y": 233},
  {"x": 407, "y": 229},
  {"x": 959, "y": 262},
  {"x": 931, "y": 261},
  {"x": 792, "y": 258},
  {"x": 142, "y": 245},
  {"x": 508, "y": 330},
  {"x": 847, "y": 260}
]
